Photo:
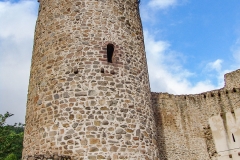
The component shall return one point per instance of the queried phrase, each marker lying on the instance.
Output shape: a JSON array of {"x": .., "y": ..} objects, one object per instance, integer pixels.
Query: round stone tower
[{"x": 89, "y": 94}]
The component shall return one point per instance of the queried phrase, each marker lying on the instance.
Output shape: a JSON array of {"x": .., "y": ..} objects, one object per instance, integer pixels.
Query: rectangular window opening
[{"x": 233, "y": 138}]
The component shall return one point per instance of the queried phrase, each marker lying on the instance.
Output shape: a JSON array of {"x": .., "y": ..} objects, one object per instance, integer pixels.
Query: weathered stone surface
[
  {"x": 92, "y": 93},
  {"x": 100, "y": 157},
  {"x": 75, "y": 125},
  {"x": 138, "y": 132},
  {"x": 105, "y": 122},
  {"x": 84, "y": 142},
  {"x": 67, "y": 137},
  {"x": 65, "y": 95},
  {"x": 114, "y": 149},
  {"x": 93, "y": 149},
  {"x": 56, "y": 96},
  {"x": 92, "y": 128},
  {"x": 120, "y": 131},
  {"x": 118, "y": 136},
  {"x": 71, "y": 131},
  {"x": 39, "y": 102},
  {"x": 97, "y": 123},
  {"x": 80, "y": 94},
  {"x": 52, "y": 133},
  {"x": 94, "y": 141},
  {"x": 120, "y": 119},
  {"x": 110, "y": 117}
]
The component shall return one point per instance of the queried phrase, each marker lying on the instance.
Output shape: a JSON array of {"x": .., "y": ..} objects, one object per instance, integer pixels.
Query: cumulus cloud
[
  {"x": 166, "y": 71},
  {"x": 17, "y": 22},
  {"x": 216, "y": 65},
  {"x": 162, "y": 4},
  {"x": 215, "y": 69}
]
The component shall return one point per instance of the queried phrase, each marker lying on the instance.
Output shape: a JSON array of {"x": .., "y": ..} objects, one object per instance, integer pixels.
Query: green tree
[
  {"x": 11, "y": 157},
  {"x": 11, "y": 138}
]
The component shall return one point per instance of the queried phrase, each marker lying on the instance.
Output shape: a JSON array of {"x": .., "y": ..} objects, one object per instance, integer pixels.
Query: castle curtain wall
[{"x": 202, "y": 126}]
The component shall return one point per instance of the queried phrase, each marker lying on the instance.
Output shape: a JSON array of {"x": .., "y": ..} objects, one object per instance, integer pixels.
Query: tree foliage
[
  {"x": 11, "y": 157},
  {"x": 11, "y": 139}
]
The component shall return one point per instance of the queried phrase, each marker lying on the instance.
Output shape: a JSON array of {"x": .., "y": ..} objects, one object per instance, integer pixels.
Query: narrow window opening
[
  {"x": 75, "y": 71},
  {"x": 234, "y": 90},
  {"x": 233, "y": 137},
  {"x": 110, "y": 50},
  {"x": 102, "y": 70}
]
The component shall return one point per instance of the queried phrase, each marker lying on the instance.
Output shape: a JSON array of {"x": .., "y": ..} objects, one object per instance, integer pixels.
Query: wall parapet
[{"x": 204, "y": 95}]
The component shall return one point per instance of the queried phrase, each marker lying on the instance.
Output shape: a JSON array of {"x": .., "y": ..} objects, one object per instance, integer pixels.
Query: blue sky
[
  {"x": 190, "y": 45},
  {"x": 202, "y": 37}
]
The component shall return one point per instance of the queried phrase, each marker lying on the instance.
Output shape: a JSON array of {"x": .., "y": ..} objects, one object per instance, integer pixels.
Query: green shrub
[
  {"x": 11, "y": 139},
  {"x": 11, "y": 157}
]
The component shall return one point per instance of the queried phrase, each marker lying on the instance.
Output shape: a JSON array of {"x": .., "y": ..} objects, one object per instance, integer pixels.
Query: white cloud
[
  {"x": 17, "y": 22},
  {"x": 216, "y": 65},
  {"x": 162, "y": 4},
  {"x": 215, "y": 69},
  {"x": 166, "y": 72}
]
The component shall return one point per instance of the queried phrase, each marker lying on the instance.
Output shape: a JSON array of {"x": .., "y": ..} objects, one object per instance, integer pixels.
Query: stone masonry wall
[
  {"x": 232, "y": 79},
  {"x": 183, "y": 125},
  {"x": 79, "y": 105}
]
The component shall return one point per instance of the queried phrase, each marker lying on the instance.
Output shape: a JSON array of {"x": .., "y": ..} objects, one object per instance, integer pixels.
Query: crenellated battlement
[{"x": 204, "y": 95}]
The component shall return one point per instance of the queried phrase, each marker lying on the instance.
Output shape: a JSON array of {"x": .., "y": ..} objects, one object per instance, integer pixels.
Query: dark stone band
[{"x": 47, "y": 157}]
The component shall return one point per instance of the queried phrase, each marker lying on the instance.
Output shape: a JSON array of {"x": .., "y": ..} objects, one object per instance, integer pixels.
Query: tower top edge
[
  {"x": 137, "y": 1},
  {"x": 133, "y": 1}
]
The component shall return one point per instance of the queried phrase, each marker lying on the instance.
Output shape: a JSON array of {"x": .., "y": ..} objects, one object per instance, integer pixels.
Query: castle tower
[{"x": 89, "y": 94}]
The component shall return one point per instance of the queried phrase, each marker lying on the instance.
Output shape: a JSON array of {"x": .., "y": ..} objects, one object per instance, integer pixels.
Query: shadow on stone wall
[
  {"x": 47, "y": 157},
  {"x": 159, "y": 125}
]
